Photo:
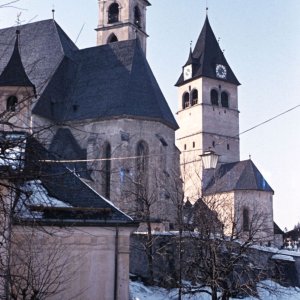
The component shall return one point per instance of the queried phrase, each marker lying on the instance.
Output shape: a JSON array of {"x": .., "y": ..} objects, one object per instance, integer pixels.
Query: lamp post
[{"x": 209, "y": 159}]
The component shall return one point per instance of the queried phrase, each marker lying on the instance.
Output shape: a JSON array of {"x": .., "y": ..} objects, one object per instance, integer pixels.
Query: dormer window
[
  {"x": 194, "y": 97},
  {"x": 11, "y": 103},
  {"x": 224, "y": 99},
  {"x": 113, "y": 13},
  {"x": 214, "y": 97},
  {"x": 137, "y": 17},
  {"x": 185, "y": 100}
]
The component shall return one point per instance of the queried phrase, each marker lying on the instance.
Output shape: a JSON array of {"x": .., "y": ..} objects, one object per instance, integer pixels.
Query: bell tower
[
  {"x": 208, "y": 115},
  {"x": 121, "y": 20}
]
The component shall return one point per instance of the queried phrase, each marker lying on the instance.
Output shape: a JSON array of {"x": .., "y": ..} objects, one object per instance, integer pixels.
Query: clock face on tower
[
  {"x": 187, "y": 72},
  {"x": 221, "y": 71}
]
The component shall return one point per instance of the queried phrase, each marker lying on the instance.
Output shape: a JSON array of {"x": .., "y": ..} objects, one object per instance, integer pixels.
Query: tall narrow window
[
  {"x": 137, "y": 17},
  {"x": 107, "y": 170},
  {"x": 141, "y": 174},
  {"x": 214, "y": 97},
  {"x": 113, "y": 13},
  {"x": 112, "y": 38},
  {"x": 194, "y": 97},
  {"x": 11, "y": 103},
  {"x": 142, "y": 153},
  {"x": 185, "y": 100},
  {"x": 224, "y": 99},
  {"x": 245, "y": 219}
]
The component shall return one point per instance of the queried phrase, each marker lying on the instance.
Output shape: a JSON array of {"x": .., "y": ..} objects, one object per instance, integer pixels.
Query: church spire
[
  {"x": 209, "y": 58},
  {"x": 14, "y": 73}
]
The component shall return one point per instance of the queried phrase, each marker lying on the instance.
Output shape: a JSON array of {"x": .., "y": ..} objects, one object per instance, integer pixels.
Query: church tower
[
  {"x": 16, "y": 94},
  {"x": 121, "y": 20},
  {"x": 208, "y": 115}
]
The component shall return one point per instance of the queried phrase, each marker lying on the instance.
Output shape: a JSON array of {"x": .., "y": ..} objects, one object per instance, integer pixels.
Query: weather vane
[{"x": 206, "y": 7}]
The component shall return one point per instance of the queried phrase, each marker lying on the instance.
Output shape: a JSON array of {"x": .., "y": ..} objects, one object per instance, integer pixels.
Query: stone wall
[
  {"x": 123, "y": 135},
  {"x": 166, "y": 260}
]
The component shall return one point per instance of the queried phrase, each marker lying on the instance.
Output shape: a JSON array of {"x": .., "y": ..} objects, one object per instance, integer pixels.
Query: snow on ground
[{"x": 138, "y": 291}]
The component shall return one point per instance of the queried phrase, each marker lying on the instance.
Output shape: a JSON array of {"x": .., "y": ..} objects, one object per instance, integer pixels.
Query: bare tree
[{"x": 37, "y": 269}]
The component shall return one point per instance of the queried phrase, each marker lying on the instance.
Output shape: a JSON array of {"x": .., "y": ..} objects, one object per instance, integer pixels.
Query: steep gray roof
[
  {"x": 68, "y": 187},
  {"x": 242, "y": 175},
  {"x": 14, "y": 73},
  {"x": 42, "y": 46},
  {"x": 108, "y": 81},
  {"x": 102, "y": 82},
  {"x": 206, "y": 55}
]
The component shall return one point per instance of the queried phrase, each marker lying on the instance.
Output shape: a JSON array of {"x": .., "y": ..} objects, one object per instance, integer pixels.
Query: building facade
[
  {"x": 100, "y": 110},
  {"x": 208, "y": 119}
]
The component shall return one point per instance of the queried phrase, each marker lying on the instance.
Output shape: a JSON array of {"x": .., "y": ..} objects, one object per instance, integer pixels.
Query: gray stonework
[
  {"x": 123, "y": 136},
  {"x": 204, "y": 126},
  {"x": 126, "y": 28}
]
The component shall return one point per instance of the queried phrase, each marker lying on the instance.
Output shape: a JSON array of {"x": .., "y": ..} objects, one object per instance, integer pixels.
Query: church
[
  {"x": 106, "y": 111},
  {"x": 109, "y": 140},
  {"x": 101, "y": 112},
  {"x": 208, "y": 119}
]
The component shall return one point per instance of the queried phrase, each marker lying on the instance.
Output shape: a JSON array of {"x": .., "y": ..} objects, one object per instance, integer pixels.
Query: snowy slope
[{"x": 140, "y": 292}]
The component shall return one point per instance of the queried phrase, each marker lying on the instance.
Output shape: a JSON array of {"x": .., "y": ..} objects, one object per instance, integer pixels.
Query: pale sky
[{"x": 261, "y": 40}]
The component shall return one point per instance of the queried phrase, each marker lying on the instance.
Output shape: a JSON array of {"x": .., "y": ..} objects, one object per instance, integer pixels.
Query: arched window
[
  {"x": 245, "y": 219},
  {"x": 141, "y": 174},
  {"x": 11, "y": 103},
  {"x": 107, "y": 169},
  {"x": 113, "y": 13},
  {"x": 142, "y": 153},
  {"x": 137, "y": 17},
  {"x": 194, "y": 97},
  {"x": 185, "y": 100},
  {"x": 224, "y": 99},
  {"x": 214, "y": 97},
  {"x": 112, "y": 38}
]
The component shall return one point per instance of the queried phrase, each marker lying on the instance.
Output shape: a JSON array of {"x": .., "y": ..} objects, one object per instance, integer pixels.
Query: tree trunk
[
  {"x": 214, "y": 294},
  {"x": 149, "y": 251}
]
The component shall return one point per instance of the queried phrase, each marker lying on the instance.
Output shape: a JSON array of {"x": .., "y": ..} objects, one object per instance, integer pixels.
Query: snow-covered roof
[
  {"x": 12, "y": 151},
  {"x": 283, "y": 257}
]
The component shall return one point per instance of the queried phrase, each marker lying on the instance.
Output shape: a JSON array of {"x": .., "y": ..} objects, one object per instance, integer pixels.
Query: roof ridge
[
  {"x": 60, "y": 31},
  {"x": 102, "y": 197},
  {"x": 244, "y": 164}
]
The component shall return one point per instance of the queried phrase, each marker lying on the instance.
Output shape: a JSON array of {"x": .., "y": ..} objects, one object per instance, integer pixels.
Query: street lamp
[{"x": 209, "y": 159}]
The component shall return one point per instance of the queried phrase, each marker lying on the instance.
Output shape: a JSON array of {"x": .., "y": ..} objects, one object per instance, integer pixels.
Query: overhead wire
[{"x": 157, "y": 155}]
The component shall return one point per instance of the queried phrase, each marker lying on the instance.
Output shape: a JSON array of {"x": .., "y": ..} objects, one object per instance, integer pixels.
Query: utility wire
[
  {"x": 269, "y": 120},
  {"x": 157, "y": 155}
]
